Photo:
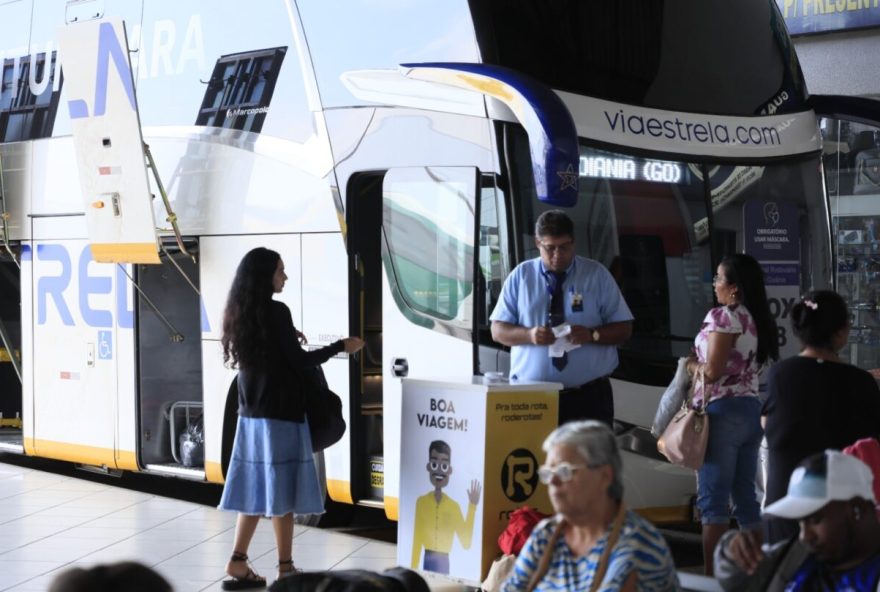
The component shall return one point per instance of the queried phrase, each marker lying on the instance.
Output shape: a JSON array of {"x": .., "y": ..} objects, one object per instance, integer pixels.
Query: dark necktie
[{"x": 557, "y": 314}]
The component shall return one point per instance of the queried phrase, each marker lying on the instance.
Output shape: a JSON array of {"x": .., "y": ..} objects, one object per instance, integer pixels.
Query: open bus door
[
  {"x": 851, "y": 161},
  {"x": 412, "y": 242}
]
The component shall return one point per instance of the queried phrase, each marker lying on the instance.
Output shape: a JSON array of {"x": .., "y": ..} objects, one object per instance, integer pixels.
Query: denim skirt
[{"x": 271, "y": 471}]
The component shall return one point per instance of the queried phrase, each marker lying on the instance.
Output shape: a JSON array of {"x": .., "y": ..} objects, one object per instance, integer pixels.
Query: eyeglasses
[
  {"x": 551, "y": 249},
  {"x": 442, "y": 466},
  {"x": 718, "y": 279},
  {"x": 564, "y": 471}
]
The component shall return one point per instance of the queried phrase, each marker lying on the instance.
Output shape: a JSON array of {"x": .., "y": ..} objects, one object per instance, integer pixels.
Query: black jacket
[{"x": 274, "y": 391}]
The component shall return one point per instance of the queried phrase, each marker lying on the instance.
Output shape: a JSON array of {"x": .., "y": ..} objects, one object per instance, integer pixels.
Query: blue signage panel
[
  {"x": 771, "y": 231},
  {"x": 803, "y": 17}
]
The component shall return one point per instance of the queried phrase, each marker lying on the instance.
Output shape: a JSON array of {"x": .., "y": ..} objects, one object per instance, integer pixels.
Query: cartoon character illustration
[{"x": 438, "y": 518}]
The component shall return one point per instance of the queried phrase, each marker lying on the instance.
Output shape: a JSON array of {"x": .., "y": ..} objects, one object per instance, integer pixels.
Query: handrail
[{"x": 172, "y": 217}]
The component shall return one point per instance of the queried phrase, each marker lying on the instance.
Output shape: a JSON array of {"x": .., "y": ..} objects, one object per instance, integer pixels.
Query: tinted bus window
[
  {"x": 667, "y": 55},
  {"x": 28, "y": 97},
  {"x": 648, "y": 220}
]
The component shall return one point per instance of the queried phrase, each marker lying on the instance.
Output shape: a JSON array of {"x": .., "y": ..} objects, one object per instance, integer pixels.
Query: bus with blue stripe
[{"x": 397, "y": 155}]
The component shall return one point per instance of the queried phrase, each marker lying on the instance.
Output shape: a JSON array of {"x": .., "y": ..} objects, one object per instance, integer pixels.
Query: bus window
[
  {"x": 494, "y": 253},
  {"x": 638, "y": 217},
  {"x": 240, "y": 90},
  {"x": 28, "y": 97},
  {"x": 428, "y": 222},
  {"x": 852, "y": 173},
  {"x": 777, "y": 214},
  {"x": 648, "y": 221},
  {"x": 648, "y": 52}
]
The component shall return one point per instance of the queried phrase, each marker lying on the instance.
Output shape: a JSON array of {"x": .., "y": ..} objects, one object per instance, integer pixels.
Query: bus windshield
[
  {"x": 665, "y": 55},
  {"x": 649, "y": 221}
]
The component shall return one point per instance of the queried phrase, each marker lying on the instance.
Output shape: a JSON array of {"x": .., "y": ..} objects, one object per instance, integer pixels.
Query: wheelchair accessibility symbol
[{"x": 105, "y": 345}]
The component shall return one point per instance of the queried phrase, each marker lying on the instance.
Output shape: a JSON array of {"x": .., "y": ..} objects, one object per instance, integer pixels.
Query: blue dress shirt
[{"x": 592, "y": 299}]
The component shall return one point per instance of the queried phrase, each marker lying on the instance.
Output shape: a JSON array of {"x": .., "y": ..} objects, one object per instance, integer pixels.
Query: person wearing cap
[
  {"x": 831, "y": 495},
  {"x": 563, "y": 317}
]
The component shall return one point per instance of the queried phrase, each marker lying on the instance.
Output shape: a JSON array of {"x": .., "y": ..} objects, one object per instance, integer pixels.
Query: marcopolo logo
[{"x": 519, "y": 475}]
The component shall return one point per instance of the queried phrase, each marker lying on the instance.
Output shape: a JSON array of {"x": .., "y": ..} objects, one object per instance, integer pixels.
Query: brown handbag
[{"x": 685, "y": 438}]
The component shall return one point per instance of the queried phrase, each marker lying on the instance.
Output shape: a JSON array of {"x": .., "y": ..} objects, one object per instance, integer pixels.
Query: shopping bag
[
  {"x": 685, "y": 438},
  {"x": 673, "y": 398},
  {"x": 499, "y": 571}
]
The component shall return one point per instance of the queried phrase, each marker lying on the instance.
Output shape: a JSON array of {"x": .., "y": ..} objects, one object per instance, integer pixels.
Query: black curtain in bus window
[
  {"x": 240, "y": 90},
  {"x": 28, "y": 102}
]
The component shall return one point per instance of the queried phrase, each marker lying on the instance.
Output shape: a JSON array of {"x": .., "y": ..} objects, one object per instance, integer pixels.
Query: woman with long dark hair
[
  {"x": 271, "y": 471},
  {"x": 815, "y": 400},
  {"x": 736, "y": 341}
]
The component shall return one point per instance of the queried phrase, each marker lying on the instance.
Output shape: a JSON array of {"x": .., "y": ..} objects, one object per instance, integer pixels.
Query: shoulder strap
[
  {"x": 546, "y": 557},
  {"x": 602, "y": 567}
]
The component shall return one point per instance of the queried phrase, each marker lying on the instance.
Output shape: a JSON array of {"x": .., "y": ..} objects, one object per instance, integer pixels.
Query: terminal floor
[{"x": 50, "y": 522}]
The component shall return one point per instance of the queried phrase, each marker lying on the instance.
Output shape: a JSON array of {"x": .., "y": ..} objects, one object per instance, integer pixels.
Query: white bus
[{"x": 397, "y": 155}]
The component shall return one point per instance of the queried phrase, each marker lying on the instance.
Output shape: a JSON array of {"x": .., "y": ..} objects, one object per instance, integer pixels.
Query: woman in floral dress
[{"x": 736, "y": 341}]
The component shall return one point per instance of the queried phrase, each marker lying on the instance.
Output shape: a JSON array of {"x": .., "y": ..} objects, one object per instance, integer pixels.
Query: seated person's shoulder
[{"x": 639, "y": 534}]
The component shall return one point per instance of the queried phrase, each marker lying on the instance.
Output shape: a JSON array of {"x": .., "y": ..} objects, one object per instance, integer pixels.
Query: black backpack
[{"x": 396, "y": 579}]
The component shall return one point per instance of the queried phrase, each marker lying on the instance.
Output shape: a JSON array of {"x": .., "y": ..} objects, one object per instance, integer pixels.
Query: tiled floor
[{"x": 50, "y": 522}]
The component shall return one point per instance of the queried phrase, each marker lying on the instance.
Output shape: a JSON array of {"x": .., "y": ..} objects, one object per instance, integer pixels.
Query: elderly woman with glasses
[{"x": 593, "y": 542}]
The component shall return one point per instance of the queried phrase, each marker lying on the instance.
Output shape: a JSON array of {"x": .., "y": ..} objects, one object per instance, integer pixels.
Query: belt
[{"x": 593, "y": 382}]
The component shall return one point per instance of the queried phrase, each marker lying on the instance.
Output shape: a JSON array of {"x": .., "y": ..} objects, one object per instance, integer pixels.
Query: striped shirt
[{"x": 640, "y": 548}]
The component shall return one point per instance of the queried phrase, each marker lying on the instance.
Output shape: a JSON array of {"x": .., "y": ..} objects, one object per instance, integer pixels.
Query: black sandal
[
  {"x": 289, "y": 570},
  {"x": 248, "y": 581}
]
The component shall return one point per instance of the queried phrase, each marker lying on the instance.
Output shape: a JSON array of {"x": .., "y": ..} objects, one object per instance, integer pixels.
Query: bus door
[
  {"x": 413, "y": 252},
  {"x": 850, "y": 129}
]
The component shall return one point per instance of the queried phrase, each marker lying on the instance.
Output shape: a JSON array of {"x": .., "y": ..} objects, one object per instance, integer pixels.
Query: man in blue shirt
[{"x": 579, "y": 298}]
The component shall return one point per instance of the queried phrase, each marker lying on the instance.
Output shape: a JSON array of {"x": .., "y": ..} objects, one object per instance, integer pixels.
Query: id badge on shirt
[{"x": 577, "y": 301}]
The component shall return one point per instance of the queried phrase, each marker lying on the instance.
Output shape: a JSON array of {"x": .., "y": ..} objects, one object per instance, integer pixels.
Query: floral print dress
[{"x": 741, "y": 374}]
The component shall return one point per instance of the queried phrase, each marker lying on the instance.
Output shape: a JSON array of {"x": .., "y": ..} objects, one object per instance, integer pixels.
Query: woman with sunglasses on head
[
  {"x": 593, "y": 542},
  {"x": 815, "y": 400},
  {"x": 736, "y": 341}
]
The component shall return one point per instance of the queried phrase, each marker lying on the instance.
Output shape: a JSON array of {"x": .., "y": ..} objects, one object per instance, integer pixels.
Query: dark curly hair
[{"x": 246, "y": 318}]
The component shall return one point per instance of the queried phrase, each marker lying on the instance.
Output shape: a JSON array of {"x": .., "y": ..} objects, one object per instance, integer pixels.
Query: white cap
[{"x": 831, "y": 476}]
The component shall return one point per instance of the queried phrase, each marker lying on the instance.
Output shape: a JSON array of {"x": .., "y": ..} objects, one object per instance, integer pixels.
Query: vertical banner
[
  {"x": 518, "y": 422},
  {"x": 772, "y": 236},
  {"x": 458, "y": 485},
  {"x": 441, "y": 478}
]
